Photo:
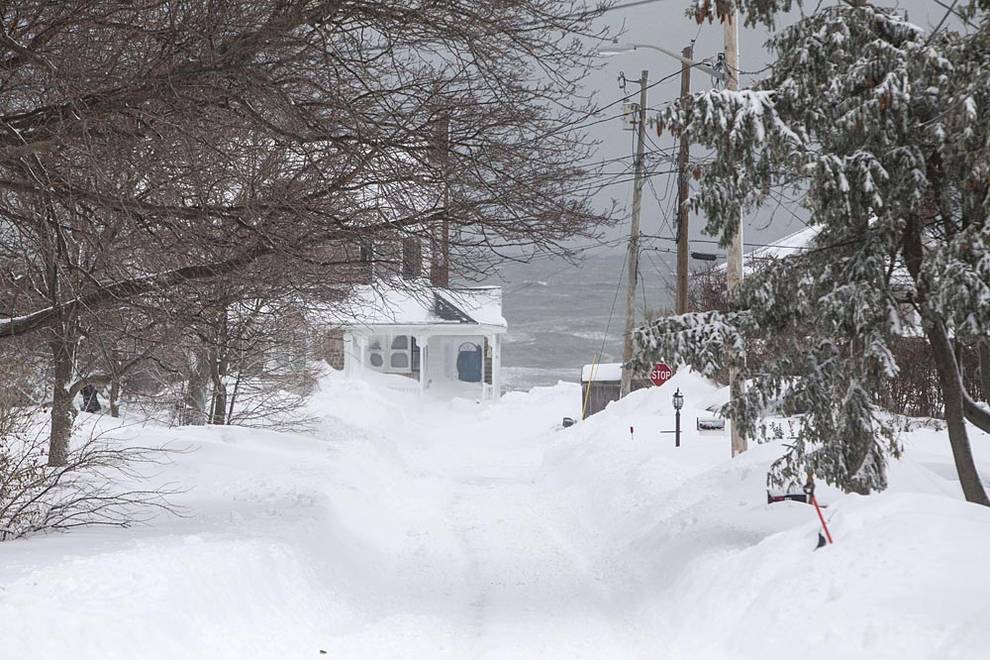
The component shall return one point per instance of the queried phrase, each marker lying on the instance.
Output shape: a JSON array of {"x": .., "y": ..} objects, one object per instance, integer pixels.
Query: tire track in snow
[{"x": 530, "y": 588}]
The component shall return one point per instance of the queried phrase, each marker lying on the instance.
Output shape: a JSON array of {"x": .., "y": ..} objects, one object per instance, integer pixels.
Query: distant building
[
  {"x": 448, "y": 340},
  {"x": 403, "y": 317},
  {"x": 601, "y": 384}
]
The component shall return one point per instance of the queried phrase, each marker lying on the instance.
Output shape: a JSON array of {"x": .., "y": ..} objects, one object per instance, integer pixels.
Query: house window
[
  {"x": 376, "y": 354},
  {"x": 398, "y": 358},
  {"x": 395, "y": 354}
]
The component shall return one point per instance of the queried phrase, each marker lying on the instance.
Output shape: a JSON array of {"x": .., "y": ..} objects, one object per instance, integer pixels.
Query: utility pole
[
  {"x": 682, "y": 193},
  {"x": 734, "y": 262},
  {"x": 632, "y": 257}
]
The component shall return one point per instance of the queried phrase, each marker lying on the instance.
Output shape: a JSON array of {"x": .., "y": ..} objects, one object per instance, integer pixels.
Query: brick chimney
[{"x": 440, "y": 231}]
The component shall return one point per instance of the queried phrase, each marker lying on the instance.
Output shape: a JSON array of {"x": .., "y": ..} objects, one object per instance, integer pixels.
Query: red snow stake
[
  {"x": 828, "y": 535},
  {"x": 809, "y": 489}
]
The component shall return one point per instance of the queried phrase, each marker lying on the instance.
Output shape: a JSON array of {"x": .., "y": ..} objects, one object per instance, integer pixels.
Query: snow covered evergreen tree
[{"x": 882, "y": 128}]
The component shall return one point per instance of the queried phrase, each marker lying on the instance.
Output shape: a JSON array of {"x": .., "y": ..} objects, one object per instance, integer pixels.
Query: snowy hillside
[{"x": 456, "y": 530}]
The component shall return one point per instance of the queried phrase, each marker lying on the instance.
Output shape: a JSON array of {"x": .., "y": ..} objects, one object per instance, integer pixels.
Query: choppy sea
[{"x": 559, "y": 314}]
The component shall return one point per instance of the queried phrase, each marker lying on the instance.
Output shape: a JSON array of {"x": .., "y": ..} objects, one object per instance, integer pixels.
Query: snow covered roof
[
  {"x": 789, "y": 245},
  {"x": 606, "y": 371},
  {"x": 424, "y": 304},
  {"x": 794, "y": 243},
  {"x": 800, "y": 241}
]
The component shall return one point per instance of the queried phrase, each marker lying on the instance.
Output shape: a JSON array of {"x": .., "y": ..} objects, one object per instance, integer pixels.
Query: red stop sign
[{"x": 661, "y": 373}]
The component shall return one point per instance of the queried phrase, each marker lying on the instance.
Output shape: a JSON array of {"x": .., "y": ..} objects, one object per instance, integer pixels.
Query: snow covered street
[
  {"x": 514, "y": 330},
  {"x": 464, "y": 530}
]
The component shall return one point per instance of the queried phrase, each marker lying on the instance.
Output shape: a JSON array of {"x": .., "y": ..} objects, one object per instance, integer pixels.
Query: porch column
[
  {"x": 362, "y": 343},
  {"x": 484, "y": 385},
  {"x": 496, "y": 367},
  {"x": 349, "y": 355},
  {"x": 423, "y": 356}
]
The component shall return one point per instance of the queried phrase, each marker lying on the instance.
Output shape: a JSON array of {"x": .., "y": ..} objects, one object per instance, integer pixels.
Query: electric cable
[
  {"x": 938, "y": 27},
  {"x": 608, "y": 325}
]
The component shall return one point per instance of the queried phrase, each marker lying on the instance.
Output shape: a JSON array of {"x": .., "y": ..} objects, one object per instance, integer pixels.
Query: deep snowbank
[
  {"x": 724, "y": 575},
  {"x": 411, "y": 528}
]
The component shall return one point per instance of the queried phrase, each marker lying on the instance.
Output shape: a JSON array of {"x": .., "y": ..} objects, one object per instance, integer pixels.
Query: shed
[{"x": 602, "y": 383}]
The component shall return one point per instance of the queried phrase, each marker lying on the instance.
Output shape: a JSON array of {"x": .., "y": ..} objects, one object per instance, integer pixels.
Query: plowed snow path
[
  {"x": 408, "y": 528},
  {"x": 511, "y": 577}
]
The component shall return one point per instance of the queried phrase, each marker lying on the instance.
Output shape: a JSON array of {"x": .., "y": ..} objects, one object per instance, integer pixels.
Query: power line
[
  {"x": 626, "y": 170},
  {"x": 627, "y": 5},
  {"x": 958, "y": 14},
  {"x": 614, "y": 103},
  {"x": 589, "y": 13},
  {"x": 648, "y": 87},
  {"x": 781, "y": 199},
  {"x": 762, "y": 245},
  {"x": 642, "y": 284},
  {"x": 749, "y": 73},
  {"x": 621, "y": 158},
  {"x": 659, "y": 249},
  {"x": 806, "y": 249},
  {"x": 714, "y": 242},
  {"x": 611, "y": 311},
  {"x": 938, "y": 27},
  {"x": 605, "y": 10},
  {"x": 614, "y": 182},
  {"x": 667, "y": 283},
  {"x": 656, "y": 197}
]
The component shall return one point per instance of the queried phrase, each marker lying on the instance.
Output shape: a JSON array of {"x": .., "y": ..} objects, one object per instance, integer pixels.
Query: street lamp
[
  {"x": 678, "y": 404},
  {"x": 617, "y": 48}
]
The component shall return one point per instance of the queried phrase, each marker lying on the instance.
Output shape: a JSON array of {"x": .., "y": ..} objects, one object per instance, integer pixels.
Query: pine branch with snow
[{"x": 881, "y": 129}]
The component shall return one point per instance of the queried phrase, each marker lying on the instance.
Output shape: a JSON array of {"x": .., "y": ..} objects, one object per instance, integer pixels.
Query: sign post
[{"x": 661, "y": 373}]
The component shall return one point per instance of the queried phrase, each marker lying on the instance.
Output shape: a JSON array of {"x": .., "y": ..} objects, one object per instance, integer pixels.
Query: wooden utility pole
[
  {"x": 632, "y": 257},
  {"x": 734, "y": 262},
  {"x": 682, "y": 194}
]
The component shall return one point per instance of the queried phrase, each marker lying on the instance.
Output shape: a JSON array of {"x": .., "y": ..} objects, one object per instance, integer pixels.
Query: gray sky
[{"x": 664, "y": 23}]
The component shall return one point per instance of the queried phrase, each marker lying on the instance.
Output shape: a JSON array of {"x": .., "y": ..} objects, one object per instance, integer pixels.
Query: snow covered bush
[
  {"x": 101, "y": 483},
  {"x": 881, "y": 129}
]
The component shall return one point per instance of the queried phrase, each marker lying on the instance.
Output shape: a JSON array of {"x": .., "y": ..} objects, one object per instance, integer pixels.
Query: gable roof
[
  {"x": 448, "y": 311},
  {"x": 794, "y": 243},
  {"x": 420, "y": 303}
]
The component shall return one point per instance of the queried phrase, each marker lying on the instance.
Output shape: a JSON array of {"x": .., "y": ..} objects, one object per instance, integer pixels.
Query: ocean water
[{"x": 559, "y": 314}]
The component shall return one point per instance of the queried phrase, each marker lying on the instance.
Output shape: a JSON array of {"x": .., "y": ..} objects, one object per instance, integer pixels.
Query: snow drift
[{"x": 448, "y": 529}]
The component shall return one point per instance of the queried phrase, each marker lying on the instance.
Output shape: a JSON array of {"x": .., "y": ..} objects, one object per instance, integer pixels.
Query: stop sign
[{"x": 661, "y": 373}]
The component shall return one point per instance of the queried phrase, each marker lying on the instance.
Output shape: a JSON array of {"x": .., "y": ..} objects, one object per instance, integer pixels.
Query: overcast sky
[{"x": 664, "y": 23}]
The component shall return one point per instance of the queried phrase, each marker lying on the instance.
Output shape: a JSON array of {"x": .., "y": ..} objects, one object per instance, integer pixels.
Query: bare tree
[{"x": 146, "y": 146}]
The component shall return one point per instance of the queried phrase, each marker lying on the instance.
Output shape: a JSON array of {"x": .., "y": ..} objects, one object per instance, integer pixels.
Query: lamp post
[{"x": 678, "y": 404}]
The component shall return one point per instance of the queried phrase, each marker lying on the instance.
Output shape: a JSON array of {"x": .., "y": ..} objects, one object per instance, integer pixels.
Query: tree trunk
[
  {"x": 984, "y": 348},
  {"x": 233, "y": 396},
  {"x": 194, "y": 399},
  {"x": 63, "y": 411},
  {"x": 953, "y": 394},
  {"x": 218, "y": 412},
  {"x": 114, "y": 397},
  {"x": 952, "y": 391},
  {"x": 976, "y": 415}
]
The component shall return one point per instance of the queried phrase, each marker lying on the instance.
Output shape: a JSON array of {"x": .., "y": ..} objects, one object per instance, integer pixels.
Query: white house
[{"x": 447, "y": 340}]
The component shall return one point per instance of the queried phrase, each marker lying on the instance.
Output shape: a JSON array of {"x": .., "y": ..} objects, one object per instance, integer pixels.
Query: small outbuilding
[{"x": 602, "y": 384}]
